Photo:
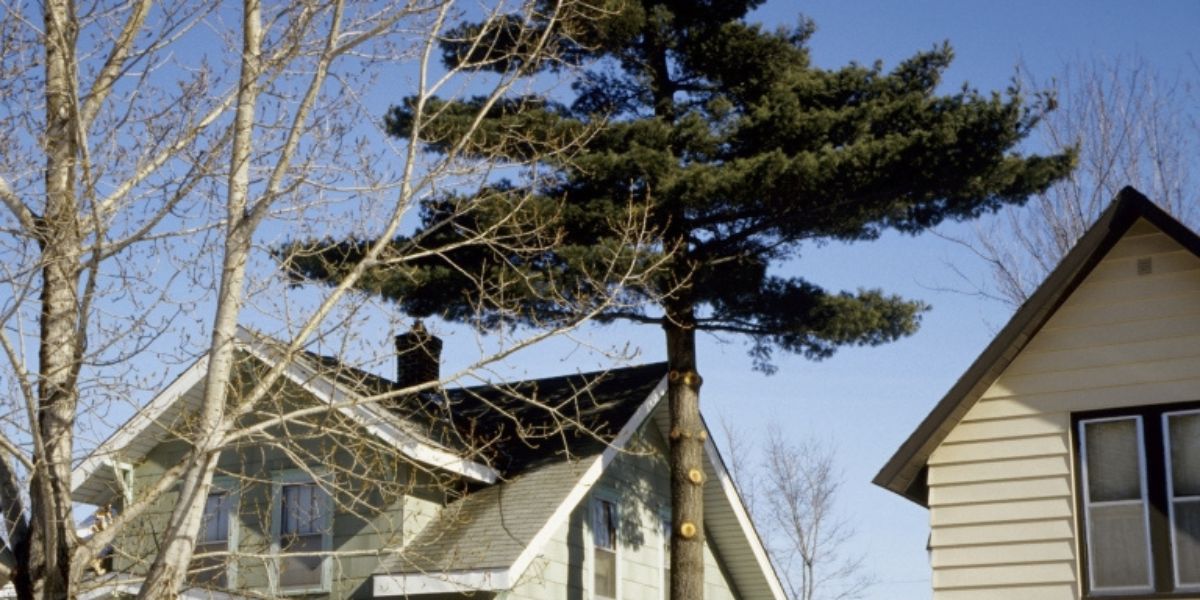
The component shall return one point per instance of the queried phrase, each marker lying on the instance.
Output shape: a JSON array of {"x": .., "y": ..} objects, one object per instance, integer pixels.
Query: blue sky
[{"x": 866, "y": 401}]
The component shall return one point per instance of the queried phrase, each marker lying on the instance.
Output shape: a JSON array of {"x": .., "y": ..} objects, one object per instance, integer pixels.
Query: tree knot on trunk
[
  {"x": 679, "y": 434},
  {"x": 689, "y": 378},
  {"x": 687, "y": 530}
]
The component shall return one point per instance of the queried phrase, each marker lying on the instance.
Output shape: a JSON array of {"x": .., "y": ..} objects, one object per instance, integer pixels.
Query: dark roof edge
[{"x": 906, "y": 466}]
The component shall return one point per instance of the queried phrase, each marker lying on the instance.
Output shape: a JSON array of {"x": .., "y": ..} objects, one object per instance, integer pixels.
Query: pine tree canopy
[{"x": 733, "y": 146}]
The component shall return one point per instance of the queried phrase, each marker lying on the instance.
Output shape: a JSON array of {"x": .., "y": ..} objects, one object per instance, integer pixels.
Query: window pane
[
  {"x": 1114, "y": 471},
  {"x": 1117, "y": 540},
  {"x": 303, "y": 510},
  {"x": 1185, "y": 453},
  {"x": 304, "y": 521},
  {"x": 1187, "y": 542},
  {"x": 666, "y": 555},
  {"x": 215, "y": 527},
  {"x": 300, "y": 571},
  {"x": 606, "y": 573},
  {"x": 213, "y": 537},
  {"x": 604, "y": 524}
]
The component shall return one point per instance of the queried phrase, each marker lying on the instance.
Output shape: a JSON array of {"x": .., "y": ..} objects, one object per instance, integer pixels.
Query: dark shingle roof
[
  {"x": 518, "y": 426},
  {"x": 515, "y": 426}
]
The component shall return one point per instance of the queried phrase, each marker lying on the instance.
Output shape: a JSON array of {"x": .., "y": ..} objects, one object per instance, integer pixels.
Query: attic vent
[{"x": 1145, "y": 266}]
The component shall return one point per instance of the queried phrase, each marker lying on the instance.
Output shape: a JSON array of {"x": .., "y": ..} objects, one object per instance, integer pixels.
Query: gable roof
[
  {"x": 905, "y": 471},
  {"x": 93, "y": 481},
  {"x": 515, "y": 426},
  {"x": 545, "y": 443},
  {"x": 461, "y": 551},
  {"x": 482, "y": 433}
]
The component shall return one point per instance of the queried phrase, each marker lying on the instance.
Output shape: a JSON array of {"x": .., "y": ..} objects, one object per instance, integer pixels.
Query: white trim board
[
  {"x": 143, "y": 419},
  {"x": 450, "y": 582},
  {"x": 376, "y": 420}
]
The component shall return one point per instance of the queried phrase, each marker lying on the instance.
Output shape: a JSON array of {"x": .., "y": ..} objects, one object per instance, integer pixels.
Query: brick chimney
[{"x": 418, "y": 355}]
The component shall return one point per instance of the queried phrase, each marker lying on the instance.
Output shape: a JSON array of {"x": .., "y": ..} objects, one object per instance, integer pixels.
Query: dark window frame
[{"x": 1161, "y": 551}]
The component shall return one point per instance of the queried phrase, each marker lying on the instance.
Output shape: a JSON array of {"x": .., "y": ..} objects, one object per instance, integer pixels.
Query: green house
[{"x": 546, "y": 489}]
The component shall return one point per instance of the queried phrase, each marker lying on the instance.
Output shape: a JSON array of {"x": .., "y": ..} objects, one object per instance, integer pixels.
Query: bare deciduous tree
[
  {"x": 1133, "y": 125},
  {"x": 791, "y": 493},
  {"x": 152, "y": 151}
]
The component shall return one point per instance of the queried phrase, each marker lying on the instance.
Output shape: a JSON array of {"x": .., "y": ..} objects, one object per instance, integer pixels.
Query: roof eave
[
  {"x": 903, "y": 473},
  {"x": 324, "y": 388}
]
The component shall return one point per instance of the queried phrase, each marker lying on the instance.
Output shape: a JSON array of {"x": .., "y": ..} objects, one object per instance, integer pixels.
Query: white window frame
[
  {"x": 229, "y": 487},
  {"x": 278, "y": 481},
  {"x": 665, "y": 527},
  {"x": 1145, "y": 502},
  {"x": 124, "y": 474},
  {"x": 597, "y": 497},
  {"x": 1171, "y": 499}
]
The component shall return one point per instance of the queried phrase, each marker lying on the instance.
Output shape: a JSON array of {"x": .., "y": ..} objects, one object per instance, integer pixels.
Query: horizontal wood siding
[
  {"x": 1002, "y": 507},
  {"x": 639, "y": 480}
]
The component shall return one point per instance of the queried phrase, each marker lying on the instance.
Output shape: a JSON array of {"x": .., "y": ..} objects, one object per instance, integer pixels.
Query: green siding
[
  {"x": 369, "y": 519},
  {"x": 370, "y": 523}
]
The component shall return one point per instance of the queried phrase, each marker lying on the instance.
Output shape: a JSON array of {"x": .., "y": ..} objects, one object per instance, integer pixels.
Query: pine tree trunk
[
  {"x": 687, "y": 456},
  {"x": 48, "y": 562}
]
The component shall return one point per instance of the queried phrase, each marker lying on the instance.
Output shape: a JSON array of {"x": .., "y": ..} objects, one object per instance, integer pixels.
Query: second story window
[
  {"x": 604, "y": 549},
  {"x": 303, "y": 536},
  {"x": 665, "y": 527},
  {"x": 214, "y": 537},
  {"x": 1140, "y": 495}
]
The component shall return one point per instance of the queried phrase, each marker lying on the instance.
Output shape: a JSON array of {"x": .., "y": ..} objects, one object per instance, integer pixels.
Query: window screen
[
  {"x": 1183, "y": 440},
  {"x": 604, "y": 538},
  {"x": 304, "y": 520},
  {"x": 1118, "y": 534}
]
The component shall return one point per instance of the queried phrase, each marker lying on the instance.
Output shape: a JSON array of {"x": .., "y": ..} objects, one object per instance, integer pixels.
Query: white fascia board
[
  {"x": 375, "y": 420},
  {"x": 563, "y": 512},
  {"x": 142, "y": 420},
  {"x": 743, "y": 518},
  {"x": 111, "y": 585},
  {"x": 453, "y": 582}
]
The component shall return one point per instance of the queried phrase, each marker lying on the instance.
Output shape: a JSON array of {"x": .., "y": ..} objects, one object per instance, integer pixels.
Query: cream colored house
[{"x": 1065, "y": 463}]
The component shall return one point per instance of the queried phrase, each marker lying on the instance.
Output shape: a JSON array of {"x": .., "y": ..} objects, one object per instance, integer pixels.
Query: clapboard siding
[
  {"x": 999, "y": 575},
  {"x": 1002, "y": 508},
  {"x": 973, "y": 451},
  {"x": 997, "y": 554},
  {"x": 1000, "y": 470},
  {"x": 1058, "y": 591},
  {"x": 1179, "y": 304},
  {"x": 1122, "y": 291},
  {"x": 994, "y": 491},
  {"x": 1113, "y": 334},
  {"x": 995, "y": 429},
  {"x": 1118, "y": 354},
  {"x": 993, "y": 533},
  {"x": 1164, "y": 263},
  {"x": 1181, "y": 390},
  {"x": 1185, "y": 366},
  {"x": 998, "y": 512}
]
